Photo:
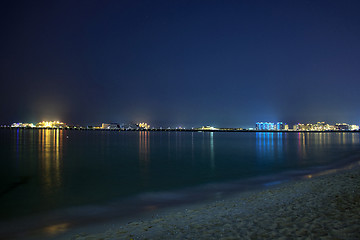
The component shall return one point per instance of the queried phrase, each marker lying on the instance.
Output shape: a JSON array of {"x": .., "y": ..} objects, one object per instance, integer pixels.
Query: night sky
[{"x": 180, "y": 63}]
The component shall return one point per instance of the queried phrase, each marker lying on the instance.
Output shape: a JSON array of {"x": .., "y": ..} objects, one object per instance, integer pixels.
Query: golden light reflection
[
  {"x": 311, "y": 142},
  {"x": 144, "y": 146},
  {"x": 50, "y": 141},
  {"x": 151, "y": 207},
  {"x": 302, "y": 147},
  {"x": 335, "y": 170},
  {"x": 355, "y": 138},
  {"x": 144, "y": 153},
  {"x": 56, "y": 228}
]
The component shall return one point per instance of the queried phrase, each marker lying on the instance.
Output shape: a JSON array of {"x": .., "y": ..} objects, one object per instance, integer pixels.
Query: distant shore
[
  {"x": 187, "y": 130},
  {"x": 319, "y": 207}
]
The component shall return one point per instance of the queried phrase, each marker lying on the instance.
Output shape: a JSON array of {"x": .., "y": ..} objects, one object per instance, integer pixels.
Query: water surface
[{"x": 42, "y": 170}]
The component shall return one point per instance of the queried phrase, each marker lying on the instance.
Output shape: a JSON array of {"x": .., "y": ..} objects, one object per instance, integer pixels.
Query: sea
[{"x": 69, "y": 178}]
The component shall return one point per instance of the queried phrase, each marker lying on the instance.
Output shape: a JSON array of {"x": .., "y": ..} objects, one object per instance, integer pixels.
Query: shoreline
[{"x": 322, "y": 206}]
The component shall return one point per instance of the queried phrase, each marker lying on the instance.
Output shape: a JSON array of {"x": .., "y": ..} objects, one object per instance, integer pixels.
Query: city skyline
[
  {"x": 259, "y": 126},
  {"x": 180, "y": 63},
  {"x": 172, "y": 125}
]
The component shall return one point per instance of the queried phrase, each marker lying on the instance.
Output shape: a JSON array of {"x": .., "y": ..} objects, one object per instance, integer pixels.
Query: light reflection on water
[
  {"x": 144, "y": 155},
  {"x": 54, "y": 229},
  {"x": 272, "y": 146},
  {"x": 267, "y": 144},
  {"x": 144, "y": 146},
  {"x": 212, "y": 153},
  {"x": 95, "y": 166},
  {"x": 50, "y": 158},
  {"x": 302, "y": 145}
]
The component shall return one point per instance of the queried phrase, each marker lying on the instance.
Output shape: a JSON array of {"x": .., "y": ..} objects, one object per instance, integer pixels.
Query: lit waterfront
[{"x": 260, "y": 127}]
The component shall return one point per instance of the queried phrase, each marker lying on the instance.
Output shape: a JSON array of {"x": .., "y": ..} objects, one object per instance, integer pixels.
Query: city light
[
  {"x": 208, "y": 128},
  {"x": 143, "y": 125},
  {"x": 322, "y": 126},
  {"x": 22, "y": 125},
  {"x": 51, "y": 124},
  {"x": 279, "y": 126},
  {"x": 260, "y": 126}
]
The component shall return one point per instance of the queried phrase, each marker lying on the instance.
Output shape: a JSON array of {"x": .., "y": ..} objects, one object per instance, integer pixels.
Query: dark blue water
[{"x": 44, "y": 170}]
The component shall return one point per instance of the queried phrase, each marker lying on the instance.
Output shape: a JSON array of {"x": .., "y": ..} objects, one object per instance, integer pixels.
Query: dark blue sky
[{"x": 189, "y": 63}]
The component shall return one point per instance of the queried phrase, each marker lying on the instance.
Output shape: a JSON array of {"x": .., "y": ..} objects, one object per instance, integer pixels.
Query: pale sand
[{"x": 323, "y": 207}]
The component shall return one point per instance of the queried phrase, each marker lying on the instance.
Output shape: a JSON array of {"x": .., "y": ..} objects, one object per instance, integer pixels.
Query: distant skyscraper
[
  {"x": 265, "y": 126},
  {"x": 280, "y": 126}
]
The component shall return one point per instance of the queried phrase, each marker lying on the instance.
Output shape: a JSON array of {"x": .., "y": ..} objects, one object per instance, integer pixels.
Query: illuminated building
[
  {"x": 143, "y": 126},
  {"x": 302, "y": 127},
  {"x": 354, "y": 127},
  {"x": 23, "y": 125},
  {"x": 346, "y": 127},
  {"x": 296, "y": 127},
  {"x": 207, "y": 128},
  {"x": 265, "y": 126},
  {"x": 110, "y": 126},
  {"x": 280, "y": 126},
  {"x": 51, "y": 124},
  {"x": 322, "y": 126}
]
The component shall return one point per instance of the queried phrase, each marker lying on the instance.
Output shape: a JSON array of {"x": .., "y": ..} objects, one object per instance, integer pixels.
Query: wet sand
[{"x": 317, "y": 207}]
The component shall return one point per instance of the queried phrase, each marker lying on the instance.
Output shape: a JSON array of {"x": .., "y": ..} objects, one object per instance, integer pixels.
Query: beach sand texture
[{"x": 323, "y": 207}]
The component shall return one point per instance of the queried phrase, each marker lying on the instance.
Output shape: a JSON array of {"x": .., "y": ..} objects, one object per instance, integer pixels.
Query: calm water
[{"x": 43, "y": 170}]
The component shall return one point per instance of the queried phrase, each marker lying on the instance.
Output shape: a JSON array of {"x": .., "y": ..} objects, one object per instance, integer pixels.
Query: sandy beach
[{"x": 325, "y": 206}]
